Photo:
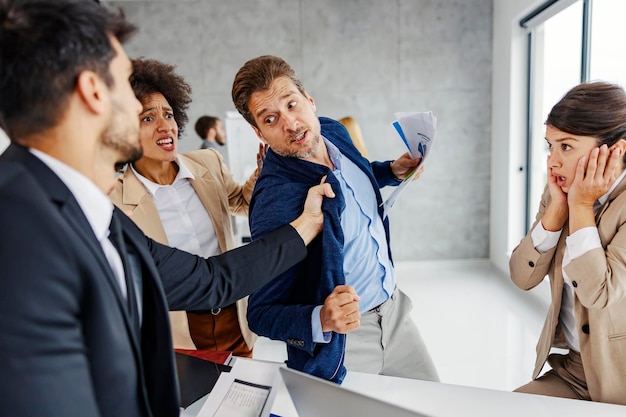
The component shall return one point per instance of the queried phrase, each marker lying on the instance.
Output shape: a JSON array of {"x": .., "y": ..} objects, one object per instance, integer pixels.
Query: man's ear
[
  {"x": 259, "y": 134},
  {"x": 311, "y": 101},
  {"x": 92, "y": 91}
]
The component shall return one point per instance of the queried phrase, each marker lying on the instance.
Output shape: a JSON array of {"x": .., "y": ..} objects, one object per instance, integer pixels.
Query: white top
[{"x": 185, "y": 220}]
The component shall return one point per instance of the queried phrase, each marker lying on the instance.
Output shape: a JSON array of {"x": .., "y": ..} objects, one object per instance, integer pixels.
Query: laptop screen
[{"x": 313, "y": 397}]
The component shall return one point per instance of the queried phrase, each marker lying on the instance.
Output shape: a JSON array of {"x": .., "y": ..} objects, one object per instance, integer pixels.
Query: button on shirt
[
  {"x": 185, "y": 220},
  {"x": 576, "y": 245},
  {"x": 366, "y": 262}
]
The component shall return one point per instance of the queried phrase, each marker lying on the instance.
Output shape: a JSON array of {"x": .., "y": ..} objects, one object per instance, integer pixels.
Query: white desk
[{"x": 445, "y": 400}]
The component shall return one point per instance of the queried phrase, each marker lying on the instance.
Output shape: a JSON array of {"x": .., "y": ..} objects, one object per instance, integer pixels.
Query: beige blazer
[
  {"x": 220, "y": 194},
  {"x": 599, "y": 278}
]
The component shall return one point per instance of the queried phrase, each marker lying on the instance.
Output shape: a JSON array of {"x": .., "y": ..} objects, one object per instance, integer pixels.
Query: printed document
[{"x": 417, "y": 131}]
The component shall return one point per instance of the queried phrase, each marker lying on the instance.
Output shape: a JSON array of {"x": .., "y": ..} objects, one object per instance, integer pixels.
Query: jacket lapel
[
  {"x": 138, "y": 205},
  {"x": 73, "y": 215},
  {"x": 207, "y": 190},
  {"x": 614, "y": 194}
]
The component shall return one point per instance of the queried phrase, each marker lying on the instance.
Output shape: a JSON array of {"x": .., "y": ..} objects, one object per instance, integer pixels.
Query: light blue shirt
[{"x": 366, "y": 262}]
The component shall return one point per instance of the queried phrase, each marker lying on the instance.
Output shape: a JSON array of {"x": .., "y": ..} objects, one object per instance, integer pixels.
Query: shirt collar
[
  {"x": 93, "y": 202},
  {"x": 333, "y": 153},
  {"x": 153, "y": 187}
]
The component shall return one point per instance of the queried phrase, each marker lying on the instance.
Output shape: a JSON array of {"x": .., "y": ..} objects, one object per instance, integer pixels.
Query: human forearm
[
  {"x": 581, "y": 216},
  {"x": 554, "y": 217},
  {"x": 527, "y": 265},
  {"x": 310, "y": 222},
  {"x": 193, "y": 283},
  {"x": 307, "y": 227}
]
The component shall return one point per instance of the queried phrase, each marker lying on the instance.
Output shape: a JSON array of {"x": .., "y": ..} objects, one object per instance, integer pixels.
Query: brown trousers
[
  {"x": 219, "y": 331},
  {"x": 566, "y": 379}
]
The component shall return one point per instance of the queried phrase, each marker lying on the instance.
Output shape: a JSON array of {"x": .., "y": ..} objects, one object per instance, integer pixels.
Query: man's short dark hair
[
  {"x": 44, "y": 46},
  {"x": 204, "y": 124}
]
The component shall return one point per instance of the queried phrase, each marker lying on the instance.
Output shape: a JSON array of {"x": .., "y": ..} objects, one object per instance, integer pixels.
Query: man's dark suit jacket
[{"x": 67, "y": 345}]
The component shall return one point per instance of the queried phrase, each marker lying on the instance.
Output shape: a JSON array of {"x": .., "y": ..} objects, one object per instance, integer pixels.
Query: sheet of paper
[
  {"x": 243, "y": 399},
  {"x": 417, "y": 131},
  {"x": 248, "y": 390}
]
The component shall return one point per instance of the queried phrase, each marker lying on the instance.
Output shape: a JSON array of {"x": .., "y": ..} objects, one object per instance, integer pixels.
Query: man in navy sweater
[{"x": 341, "y": 303}]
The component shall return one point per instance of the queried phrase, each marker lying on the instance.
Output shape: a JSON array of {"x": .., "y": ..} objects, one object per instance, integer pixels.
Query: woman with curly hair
[{"x": 185, "y": 201}]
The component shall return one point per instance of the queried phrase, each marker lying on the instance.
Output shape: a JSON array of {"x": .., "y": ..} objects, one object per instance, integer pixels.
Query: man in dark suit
[{"x": 84, "y": 293}]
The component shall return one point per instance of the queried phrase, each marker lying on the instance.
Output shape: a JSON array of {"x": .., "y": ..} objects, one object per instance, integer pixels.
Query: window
[
  {"x": 608, "y": 51},
  {"x": 555, "y": 67}
]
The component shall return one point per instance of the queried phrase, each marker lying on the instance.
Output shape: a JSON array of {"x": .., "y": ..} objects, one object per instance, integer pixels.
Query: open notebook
[{"x": 314, "y": 397}]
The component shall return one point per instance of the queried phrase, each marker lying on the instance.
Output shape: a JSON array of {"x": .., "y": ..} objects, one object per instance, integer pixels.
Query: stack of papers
[
  {"x": 417, "y": 131},
  {"x": 248, "y": 390}
]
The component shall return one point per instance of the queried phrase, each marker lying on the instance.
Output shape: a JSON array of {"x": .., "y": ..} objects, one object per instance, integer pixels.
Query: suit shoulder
[
  {"x": 328, "y": 122},
  {"x": 10, "y": 172},
  {"x": 204, "y": 157},
  {"x": 16, "y": 179},
  {"x": 335, "y": 132}
]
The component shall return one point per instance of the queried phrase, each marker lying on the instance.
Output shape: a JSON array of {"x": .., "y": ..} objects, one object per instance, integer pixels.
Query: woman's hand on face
[
  {"x": 595, "y": 174},
  {"x": 557, "y": 211},
  {"x": 558, "y": 195}
]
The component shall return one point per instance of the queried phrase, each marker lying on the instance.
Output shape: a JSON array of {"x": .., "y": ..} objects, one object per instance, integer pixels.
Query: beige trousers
[
  {"x": 566, "y": 379},
  {"x": 388, "y": 343}
]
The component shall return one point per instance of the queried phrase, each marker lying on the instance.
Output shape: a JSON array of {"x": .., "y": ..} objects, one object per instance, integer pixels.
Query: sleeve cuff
[
  {"x": 544, "y": 240},
  {"x": 316, "y": 325},
  {"x": 582, "y": 241}
]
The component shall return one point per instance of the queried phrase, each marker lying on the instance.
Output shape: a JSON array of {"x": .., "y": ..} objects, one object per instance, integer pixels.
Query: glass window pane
[
  {"x": 555, "y": 68},
  {"x": 608, "y": 53}
]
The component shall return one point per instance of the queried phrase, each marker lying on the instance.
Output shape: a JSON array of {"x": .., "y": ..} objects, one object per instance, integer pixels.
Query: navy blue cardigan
[{"x": 282, "y": 309}]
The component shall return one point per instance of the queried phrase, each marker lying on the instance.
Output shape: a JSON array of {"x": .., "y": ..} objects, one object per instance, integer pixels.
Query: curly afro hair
[{"x": 151, "y": 76}]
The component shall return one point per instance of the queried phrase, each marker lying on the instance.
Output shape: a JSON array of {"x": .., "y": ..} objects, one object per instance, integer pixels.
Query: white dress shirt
[
  {"x": 96, "y": 206},
  {"x": 185, "y": 220}
]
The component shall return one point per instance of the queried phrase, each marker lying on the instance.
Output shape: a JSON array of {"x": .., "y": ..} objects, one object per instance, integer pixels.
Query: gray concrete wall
[{"x": 367, "y": 59}]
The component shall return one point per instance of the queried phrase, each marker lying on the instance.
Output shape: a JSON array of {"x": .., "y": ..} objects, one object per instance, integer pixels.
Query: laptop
[
  {"x": 314, "y": 397},
  {"x": 196, "y": 377}
]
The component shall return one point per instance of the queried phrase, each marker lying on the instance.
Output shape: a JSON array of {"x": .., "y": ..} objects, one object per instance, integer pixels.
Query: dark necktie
[{"x": 132, "y": 271}]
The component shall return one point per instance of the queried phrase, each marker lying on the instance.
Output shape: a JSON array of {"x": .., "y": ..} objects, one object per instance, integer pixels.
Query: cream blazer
[
  {"x": 599, "y": 280},
  {"x": 220, "y": 194}
]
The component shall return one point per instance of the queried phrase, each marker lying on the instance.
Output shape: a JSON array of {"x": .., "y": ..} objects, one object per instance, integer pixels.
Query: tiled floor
[{"x": 481, "y": 330}]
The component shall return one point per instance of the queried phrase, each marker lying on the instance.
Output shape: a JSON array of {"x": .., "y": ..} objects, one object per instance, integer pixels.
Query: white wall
[{"x": 508, "y": 142}]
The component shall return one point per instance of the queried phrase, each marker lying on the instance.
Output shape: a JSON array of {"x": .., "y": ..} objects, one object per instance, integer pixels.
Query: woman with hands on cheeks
[{"x": 579, "y": 240}]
